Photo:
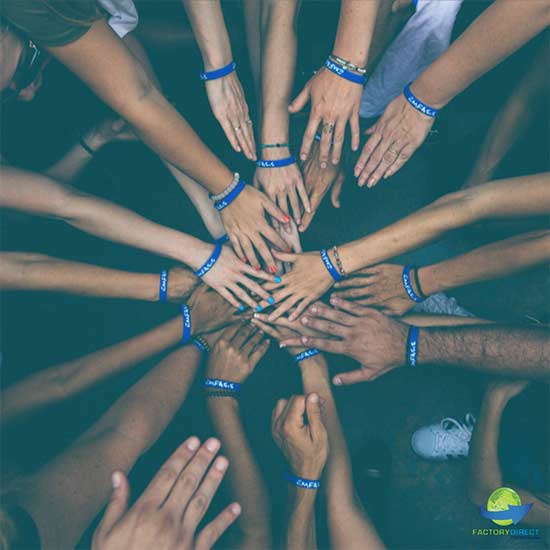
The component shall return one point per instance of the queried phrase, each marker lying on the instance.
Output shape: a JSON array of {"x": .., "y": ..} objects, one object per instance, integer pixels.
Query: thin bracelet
[
  {"x": 411, "y": 353},
  {"x": 418, "y": 286},
  {"x": 219, "y": 393},
  {"x": 211, "y": 262},
  {"x": 218, "y": 73},
  {"x": 201, "y": 344},
  {"x": 186, "y": 316},
  {"x": 417, "y": 104},
  {"x": 163, "y": 285},
  {"x": 329, "y": 265},
  {"x": 223, "y": 385},
  {"x": 344, "y": 73},
  {"x": 406, "y": 280},
  {"x": 225, "y": 202},
  {"x": 302, "y": 482},
  {"x": 347, "y": 64},
  {"x": 339, "y": 265},
  {"x": 275, "y": 163},
  {"x": 306, "y": 354},
  {"x": 227, "y": 190},
  {"x": 86, "y": 147},
  {"x": 270, "y": 145}
]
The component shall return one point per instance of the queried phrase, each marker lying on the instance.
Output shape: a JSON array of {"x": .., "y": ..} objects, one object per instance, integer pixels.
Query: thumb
[
  {"x": 118, "y": 504},
  {"x": 300, "y": 101},
  {"x": 313, "y": 411},
  {"x": 336, "y": 190}
]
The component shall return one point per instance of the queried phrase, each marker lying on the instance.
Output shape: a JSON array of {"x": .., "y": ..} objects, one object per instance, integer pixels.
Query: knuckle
[
  {"x": 200, "y": 502},
  {"x": 189, "y": 481}
]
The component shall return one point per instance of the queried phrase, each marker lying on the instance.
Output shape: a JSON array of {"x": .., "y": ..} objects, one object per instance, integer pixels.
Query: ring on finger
[
  {"x": 248, "y": 121},
  {"x": 328, "y": 128},
  {"x": 237, "y": 128}
]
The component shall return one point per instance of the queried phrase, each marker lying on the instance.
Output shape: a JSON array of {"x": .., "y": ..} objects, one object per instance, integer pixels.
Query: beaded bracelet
[
  {"x": 411, "y": 353},
  {"x": 219, "y": 393},
  {"x": 301, "y": 482},
  {"x": 344, "y": 73},
  {"x": 417, "y": 104},
  {"x": 271, "y": 145},
  {"x": 186, "y": 314},
  {"x": 202, "y": 345},
  {"x": 329, "y": 265},
  {"x": 218, "y": 73},
  {"x": 275, "y": 163},
  {"x": 227, "y": 190},
  {"x": 347, "y": 64},
  {"x": 339, "y": 265},
  {"x": 225, "y": 202},
  {"x": 406, "y": 279},
  {"x": 163, "y": 285},
  {"x": 211, "y": 262},
  {"x": 306, "y": 354}
]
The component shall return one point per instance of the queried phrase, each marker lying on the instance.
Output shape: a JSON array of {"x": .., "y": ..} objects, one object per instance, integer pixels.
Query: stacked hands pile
[{"x": 253, "y": 283}]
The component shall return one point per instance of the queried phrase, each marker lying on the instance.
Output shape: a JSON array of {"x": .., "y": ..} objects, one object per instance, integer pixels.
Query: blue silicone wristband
[
  {"x": 218, "y": 73},
  {"x": 330, "y": 266},
  {"x": 163, "y": 285},
  {"x": 406, "y": 279},
  {"x": 186, "y": 314},
  {"x": 211, "y": 262},
  {"x": 301, "y": 482},
  {"x": 306, "y": 354},
  {"x": 221, "y": 240},
  {"x": 218, "y": 384},
  {"x": 225, "y": 202},
  {"x": 344, "y": 73},
  {"x": 275, "y": 163},
  {"x": 417, "y": 104},
  {"x": 412, "y": 346},
  {"x": 198, "y": 344}
]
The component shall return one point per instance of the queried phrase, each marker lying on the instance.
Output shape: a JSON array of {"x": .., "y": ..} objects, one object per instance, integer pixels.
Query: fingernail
[
  {"x": 323, "y": 164},
  {"x": 221, "y": 464},
  {"x": 213, "y": 445},
  {"x": 302, "y": 156},
  {"x": 235, "y": 509},
  {"x": 305, "y": 340},
  {"x": 272, "y": 268},
  {"x": 289, "y": 250},
  {"x": 259, "y": 308},
  {"x": 256, "y": 316},
  {"x": 277, "y": 279},
  {"x": 244, "y": 260},
  {"x": 115, "y": 480},
  {"x": 271, "y": 300},
  {"x": 308, "y": 210},
  {"x": 271, "y": 318},
  {"x": 241, "y": 307},
  {"x": 286, "y": 219},
  {"x": 282, "y": 346},
  {"x": 193, "y": 444},
  {"x": 301, "y": 228},
  {"x": 305, "y": 320},
  {"x": 257, "y": 267},
  {"x": 314, "y": 398},
  {"x": 337, "y": 382},
  {"x": 313, "y": 309},
  {"x": 334, "y": 300}
]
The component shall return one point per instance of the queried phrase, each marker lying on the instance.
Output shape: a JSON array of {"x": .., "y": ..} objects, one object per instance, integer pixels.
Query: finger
[
  {"x": 230, "y": 133},
  {"x": 336, "y": 191},
  {"x": 217, "y": 527},
  {"x": 283, "y": 308},
  {"x": 338, "y": 141},
  {"x": 242, "y": 335},
  {"x": 300, "y": 101},
  {"x": 299, "y": 309},
  {"x": 325, "y": 145},
  {"x": 302, "y": 192},
  {"x": 350, "y": 307},
  {"x": 365, "y": 280},
  {"x": 285, "y": 256},
  {"x": 243, "y": 142},
  {"x": 164, "y": 480},
  {"x": 323, "y": 344},
  {"x": 243, "y": 296},
  {"x": 274, "y": 237},
  {"x": 224, "y": 293},
  {"x": 331, "y": 314},
  {"x": 355, "y": 132},
  {"x": 257, "y": 274},
  {"x": 293, "y": 198},
  {"x": 329, "y": 328},
  {"x": 366, "y": 153},
  {"x": 295, "y": 411},
  {"x": 259, "y": 352},
  {"x": 377, "y": 157},
  {"x": 314, "y": 418},
  {"x": 253, "y": 341},
  {"x": 235, "y": 243},
  {"x": 309, "y": 134},
  {"x": 276, "y": 414},
  {"x": 118, "y": 504},
  {"x": 274, "y": 211},
  {"x": 405, "y": 154},
  {"x": 267, "y": 329},
  {"x": 352, "y": 377},
  {"x": 199, "y": 503},
  {"x": 265, "y": 253},
  {"x": 257, "y": 289},
  {"x": 282, "y": 203},
  {"x": 250, "y": 254},
  {"x": 353, "y": 293},
  {"x": 191, "y": 476},
  {"x": 389, "y": 158}
]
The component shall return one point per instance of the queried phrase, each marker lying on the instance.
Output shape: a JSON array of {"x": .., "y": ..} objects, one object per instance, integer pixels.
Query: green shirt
[{"x": 51, "y": 22}]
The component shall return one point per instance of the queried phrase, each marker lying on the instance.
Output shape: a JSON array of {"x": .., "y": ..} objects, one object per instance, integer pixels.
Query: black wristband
[
  {"x": 417, "y": 281},
  {"x": 86, "y": 147}
]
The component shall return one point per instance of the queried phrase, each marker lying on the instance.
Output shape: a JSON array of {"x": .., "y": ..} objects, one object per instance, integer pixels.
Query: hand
[
  {"x": 209, "y": 311},
  {"x": 380, "y": 286},
  {"x": 283, "y": 185},
  {"x": 397, "y": 134},
  {"x": 229, "y": 106},
  {"x": 289, "y": 234},
  {"x": 334, "y": 100},
  {"x": 368, "y": 336},
  {"x": 107, "y": 131},
  {"x": 230, "y": 274},
  {"x": 305, "y": 446},
  {"x": 236, "y": 353},
  {"x": 318, "y": 181},
  {"x": 505, "y": 389},
  {"x": 246, "y": 225},
  {"x": 169, "y": 511},
  {"x": 181, "y": 282},
  {"x": 307, "y": 282}
]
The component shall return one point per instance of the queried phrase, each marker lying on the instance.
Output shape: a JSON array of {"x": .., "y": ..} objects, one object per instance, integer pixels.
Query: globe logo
[{"x": 504, "y": 507}]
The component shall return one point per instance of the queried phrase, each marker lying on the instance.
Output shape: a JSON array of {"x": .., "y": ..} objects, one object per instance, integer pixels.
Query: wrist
[
  {"x": 217, "y": 58},
  {"x": 222, "y": 406},
  {"x": 429, "y": 279},
  {"x": 147, "y": 287},
  {"x": 428, "y": 93},
  {"x": 275, "y": 125},
  {"x": 275, "y": 153}
]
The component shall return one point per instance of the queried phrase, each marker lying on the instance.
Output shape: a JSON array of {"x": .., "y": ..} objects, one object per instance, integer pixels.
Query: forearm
[
  {"x": 245, "y": 479},
  {"x": 498, "y": 32},
  {"x": 210, "y": 32},
  {"x": 278, "y": 66},
  {"x": 26, "y": 271},
  {"x": 514, "y": 197},
  {"x": 510, "y": 351},
  {"x": 69, "y": 166},
  {"x": 349, "y": 526},
  {"x": 487, "y": 262},
  {"x": 61, "y": 382},
  {"x": 355, "y": 30},
  {"x": 301, "y": 533},
  {"x": 484, "y": 466}
]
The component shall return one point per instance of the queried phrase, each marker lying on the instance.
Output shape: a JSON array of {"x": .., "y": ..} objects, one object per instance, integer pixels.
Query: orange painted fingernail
[
  {"x": 244, "y": 260},
  {"x": 286, "y": 219},
  {"x": 289, "y": 249},
  {"x": 272, "y": 269}
]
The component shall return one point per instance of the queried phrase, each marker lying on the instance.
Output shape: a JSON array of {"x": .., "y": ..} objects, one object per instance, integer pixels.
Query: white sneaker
[{"x": 448, "y": 438}]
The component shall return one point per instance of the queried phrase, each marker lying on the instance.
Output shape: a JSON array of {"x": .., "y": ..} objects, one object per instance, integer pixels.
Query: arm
[
  {"x": 301, "y": 532},
  {"x": 226, "y": 95},
  {"x": 497, "y": 33},
  {"x": 231, "y": 359},
  {"x": 26, "y": 271}
]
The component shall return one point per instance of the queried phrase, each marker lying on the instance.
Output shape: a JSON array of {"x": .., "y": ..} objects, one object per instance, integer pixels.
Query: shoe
[{"x": 448, "y": 438}]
